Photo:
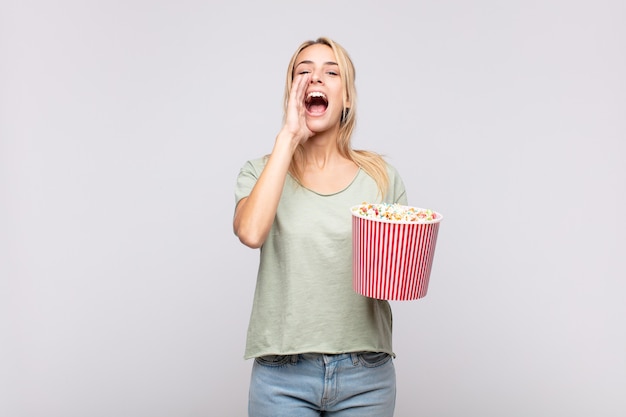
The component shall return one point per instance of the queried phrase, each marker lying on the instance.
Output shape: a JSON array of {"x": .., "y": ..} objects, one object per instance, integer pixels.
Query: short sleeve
[
  {"x": 247, "y": 178},
  {"x": 397, "y": 190}
]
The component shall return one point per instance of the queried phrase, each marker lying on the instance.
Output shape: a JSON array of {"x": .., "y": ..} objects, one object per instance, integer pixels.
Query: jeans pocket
[
  {"x": 373, "y": 359},
  {"x": 273, "y": 360}
]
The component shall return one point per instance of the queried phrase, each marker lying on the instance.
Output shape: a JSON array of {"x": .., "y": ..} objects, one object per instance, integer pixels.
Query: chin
[{"x": 321, "y": 126}]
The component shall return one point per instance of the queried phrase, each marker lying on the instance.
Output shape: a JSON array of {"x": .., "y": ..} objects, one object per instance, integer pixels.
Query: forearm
[{"x": 255, "y": 214}]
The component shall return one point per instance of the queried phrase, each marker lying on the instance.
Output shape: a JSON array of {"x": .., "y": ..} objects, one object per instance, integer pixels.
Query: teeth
[{"x": 316, "y": 94}]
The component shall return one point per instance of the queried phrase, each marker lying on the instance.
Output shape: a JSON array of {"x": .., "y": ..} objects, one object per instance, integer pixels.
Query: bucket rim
[{"x": 435, "y": 221}]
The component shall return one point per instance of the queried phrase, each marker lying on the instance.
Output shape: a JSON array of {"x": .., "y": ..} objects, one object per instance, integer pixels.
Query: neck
[{"x": 321, "y": 150}]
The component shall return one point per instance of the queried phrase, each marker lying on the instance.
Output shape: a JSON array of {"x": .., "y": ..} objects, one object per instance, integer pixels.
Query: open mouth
[{"x": 316, "y": 102}]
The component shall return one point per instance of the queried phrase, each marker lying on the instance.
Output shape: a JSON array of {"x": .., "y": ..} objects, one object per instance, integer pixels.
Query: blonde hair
[{"x": 372, "y": 163}]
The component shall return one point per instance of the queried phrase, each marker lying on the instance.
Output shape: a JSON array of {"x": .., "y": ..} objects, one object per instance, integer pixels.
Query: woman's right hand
[
  {"x": 255, "y": 214},
  {"x": 295, "y": 120}
]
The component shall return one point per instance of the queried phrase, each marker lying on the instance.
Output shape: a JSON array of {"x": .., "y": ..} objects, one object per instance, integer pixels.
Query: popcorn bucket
[{"x": 392, "y": 259}]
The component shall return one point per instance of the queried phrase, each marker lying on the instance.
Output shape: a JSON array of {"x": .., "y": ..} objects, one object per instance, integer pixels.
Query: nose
[{"x": 315, "y": 78}]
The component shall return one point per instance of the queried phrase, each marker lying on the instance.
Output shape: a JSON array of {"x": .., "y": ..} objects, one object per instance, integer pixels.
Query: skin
[{"x": 325, "y": 170}]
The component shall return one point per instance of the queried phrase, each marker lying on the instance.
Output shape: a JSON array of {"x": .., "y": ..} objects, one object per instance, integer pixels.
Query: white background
[{"x": 123, "y": 125}]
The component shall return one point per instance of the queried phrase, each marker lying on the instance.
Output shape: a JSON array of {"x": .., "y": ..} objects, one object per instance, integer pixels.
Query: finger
[{"x": 299, "y": 87}]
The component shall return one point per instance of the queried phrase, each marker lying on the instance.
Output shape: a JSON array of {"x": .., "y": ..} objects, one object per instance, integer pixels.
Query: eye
[
  {"x": 304, "y": 72},
  {"x": 332, "y": 73}
]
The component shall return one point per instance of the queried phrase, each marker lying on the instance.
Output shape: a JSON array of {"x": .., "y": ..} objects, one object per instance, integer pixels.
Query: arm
[{"x": 254, "y": 215}]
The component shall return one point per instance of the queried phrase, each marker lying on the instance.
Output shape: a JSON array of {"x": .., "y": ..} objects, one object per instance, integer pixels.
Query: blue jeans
[{"x": 346, "y": 385}]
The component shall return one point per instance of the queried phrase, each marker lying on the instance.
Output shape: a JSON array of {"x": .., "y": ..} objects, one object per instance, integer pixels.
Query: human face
[{"x": 323, "y": 98}]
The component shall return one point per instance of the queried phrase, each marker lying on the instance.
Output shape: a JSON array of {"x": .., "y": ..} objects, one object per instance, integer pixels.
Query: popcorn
[
  {"x": 393, "y": 250},
  {"x": 395, "y": 212}
]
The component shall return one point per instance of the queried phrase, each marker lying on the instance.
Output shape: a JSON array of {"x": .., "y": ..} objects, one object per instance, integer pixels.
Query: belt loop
[
  {"x": 294, "y": 359},
  {"x": 355, "y": 358}
]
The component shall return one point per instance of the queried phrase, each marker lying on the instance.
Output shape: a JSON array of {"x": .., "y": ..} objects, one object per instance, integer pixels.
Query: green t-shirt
[{"x": 304, "y": 301}]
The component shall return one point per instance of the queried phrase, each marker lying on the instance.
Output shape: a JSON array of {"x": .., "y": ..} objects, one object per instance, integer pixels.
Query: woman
[{"x": 318, "y": 347}]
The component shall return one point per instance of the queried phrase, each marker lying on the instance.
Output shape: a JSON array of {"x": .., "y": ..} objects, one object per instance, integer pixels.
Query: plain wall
[{"x": 123, "y": 125}]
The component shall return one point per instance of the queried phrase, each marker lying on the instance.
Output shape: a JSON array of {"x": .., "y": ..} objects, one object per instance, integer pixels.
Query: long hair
[{"x": 372, "y": 163}]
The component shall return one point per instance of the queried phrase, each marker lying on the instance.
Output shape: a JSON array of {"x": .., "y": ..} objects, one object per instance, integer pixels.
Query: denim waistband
[{"x": 327, "y": 358}]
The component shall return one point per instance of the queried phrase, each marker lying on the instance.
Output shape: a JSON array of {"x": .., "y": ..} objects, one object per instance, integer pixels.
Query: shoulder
[
  {"x": 397, "y": 190},
  {"x": 392, "y": 171},
  {"x": 254, "y": 166},
  {"x": 248, "y": 176}
]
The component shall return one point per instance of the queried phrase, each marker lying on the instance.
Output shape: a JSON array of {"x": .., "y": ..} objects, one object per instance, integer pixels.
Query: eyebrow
[{"x": 311, "y": 62}]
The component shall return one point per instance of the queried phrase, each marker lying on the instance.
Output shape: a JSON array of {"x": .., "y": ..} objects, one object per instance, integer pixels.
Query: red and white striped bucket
[{"x": 392, "y": 260}]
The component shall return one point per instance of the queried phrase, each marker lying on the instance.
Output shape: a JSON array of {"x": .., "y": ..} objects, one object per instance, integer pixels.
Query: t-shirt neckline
[{"x": 358, "y": 172}]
